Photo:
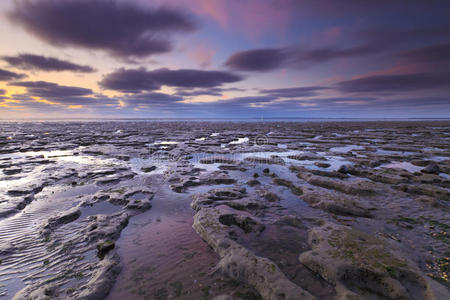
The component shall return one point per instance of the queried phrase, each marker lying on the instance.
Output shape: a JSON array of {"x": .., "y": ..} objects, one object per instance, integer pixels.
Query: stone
[{"x": 432, "y": 168}]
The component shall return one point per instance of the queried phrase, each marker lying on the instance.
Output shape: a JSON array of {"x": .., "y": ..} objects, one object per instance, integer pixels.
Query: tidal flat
[{"x": 225, "y": 210}]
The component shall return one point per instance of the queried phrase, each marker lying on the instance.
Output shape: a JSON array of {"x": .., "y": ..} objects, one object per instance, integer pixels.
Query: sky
[{"x": 224, "y": 59}]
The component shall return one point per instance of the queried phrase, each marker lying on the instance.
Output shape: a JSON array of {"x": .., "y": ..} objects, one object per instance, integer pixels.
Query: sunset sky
[{"x": 214, "y": 58}]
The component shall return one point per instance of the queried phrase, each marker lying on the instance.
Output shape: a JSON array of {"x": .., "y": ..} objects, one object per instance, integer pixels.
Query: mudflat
[{"x": 224, "y": 210}]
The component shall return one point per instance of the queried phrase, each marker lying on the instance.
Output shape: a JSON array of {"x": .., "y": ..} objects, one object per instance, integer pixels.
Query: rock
[
  {"x": 361, "y": 265},
  {"x": 432, "y": 168},
  {"x": 253, "y": 182},
  {"x": 343, "y": 169},
  {"x": 104, "y": 247},
  {"x": 246, "y": 223},
  {"x": 306, "y": 156},
  {"x": 63, "y": 218},
  {"x": 336, "y": 203},
  {"x": 241, "y": 264},
  {"x": 273, "y": 160},
  {"x": 148, "y": 169},
  {"x": 322, "y": 164},
  {"x": 44, "y": 292},
  {"x": 428, "y": 201},
  {"x": 266, "y": 171},
  {"x": 217, "y": 160},
  {"x": 223, "y": 297},
  {"x": 106, "y": 227},
  {"x": 232, "y": 168},
  {"x": 355, "y": 187},
  {"x": 6, "y": 248},
  {"x": 138, "y": 203},
  {"x": 12, "y": 171},
  {"x": 271, "y": 197},
  {"x": 34, "y": 189},
  {"x": 283, "y": 182},
  {"x": 103, "y": 279},
  {"x": 217, "y": 196}
]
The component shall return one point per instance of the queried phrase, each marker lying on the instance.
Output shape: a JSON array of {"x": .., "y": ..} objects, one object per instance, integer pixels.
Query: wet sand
[{"x": 210, "y": 210}]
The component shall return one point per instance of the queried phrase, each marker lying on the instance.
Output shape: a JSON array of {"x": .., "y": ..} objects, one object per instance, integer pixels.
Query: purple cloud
[
  {"x": 435, "y": 54},
  {"x": 42, "y": 63},
  {"x": 135, "y": 81},
  {"x": 122, "y": 29},
  {"x": 7, "y": 75},
  {"x": 262, "y": 60},
  {"x": 51, "y": 90},
  {"x": 395, "y": 83},
  {"x": 306, "y": 91}
]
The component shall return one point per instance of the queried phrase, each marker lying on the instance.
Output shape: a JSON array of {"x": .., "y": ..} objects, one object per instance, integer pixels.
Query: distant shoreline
[{"x": 283, "y": 119}]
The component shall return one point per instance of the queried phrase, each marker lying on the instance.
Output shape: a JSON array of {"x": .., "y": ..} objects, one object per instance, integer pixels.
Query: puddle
[
  {"x": 240, "y": 141},
  {"x": 402, "y": 165},
  {"x": 100, "y": 208},
  {"x": 31, "y": 154},
  {"x": 165, "y": 143},
  {"x": 345, "y": 149},
  {"x": 391, "y": 152}
]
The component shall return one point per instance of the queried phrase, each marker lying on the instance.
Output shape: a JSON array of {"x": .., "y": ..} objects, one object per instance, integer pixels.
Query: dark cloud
[
  {"x": 50, "y": 90},
  {"x": 199, "y": 92},
  {"x": 2, "y": 92},
  {"x": 396, "y": 83},
  {"x": 152, "y": 99},
  {"x": 7, "y": 75},
  {"x": 305, "y": 58},
  {"x": 122, "y": 28},
  {"x": 431, "y": 54},
  {"x": 306, "y": 91},
  {"x": 134, "y": 81},
  {"x": 257, "y": 60},
  {"x": 42, "y": 63},
  {"x": 391, "y": 36},
  {"x": 214, "y": 91},
  {"x": 262, "y": 60}
]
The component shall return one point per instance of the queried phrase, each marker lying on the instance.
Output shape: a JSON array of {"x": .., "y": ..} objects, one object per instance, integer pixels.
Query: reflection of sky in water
[
  {"x": 240, "y": 141},
  {"x": 62, "y": 160},
  {"x": 402, "y": 165},
  {"x": 345, "y": 149},
  {"x": 46, "y": 154},
  {"x": 334, "y": 161},
  {"x": 408, "y": 167},
  {"x": 391, "y": 152}
]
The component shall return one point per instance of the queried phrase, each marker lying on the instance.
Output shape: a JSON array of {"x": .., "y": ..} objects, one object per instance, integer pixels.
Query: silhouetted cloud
[
  {"x": 151, "y": 99},
  {"x": 2, "y": 91},
  {"x": 257, "y": 60},
  {"x": 50, "y": 90},
  {"x": 122, "y": 28},
  {"x": 395, "y": 83},
  {"x": 400, "y": 36},
  {"x": 137, "y": 80},
  {"x": 262, "y": 60},
  {"x": 214, "y": 91},
  {"x": 306, "y": 91},
  {"x": 43, "y": 63},
  {"x": 432, "y": 54},
  {"x": 7, "y": 75}
]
